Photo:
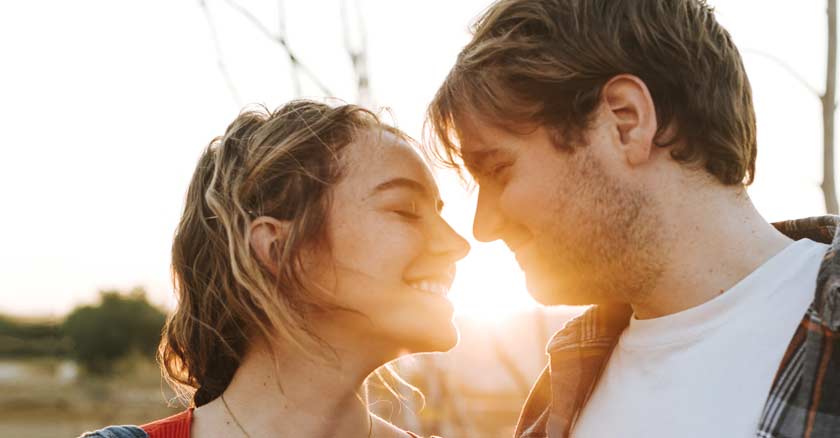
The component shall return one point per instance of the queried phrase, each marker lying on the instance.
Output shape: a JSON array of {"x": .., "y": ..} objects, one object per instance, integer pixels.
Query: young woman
[{"x": 311, "y": 251}]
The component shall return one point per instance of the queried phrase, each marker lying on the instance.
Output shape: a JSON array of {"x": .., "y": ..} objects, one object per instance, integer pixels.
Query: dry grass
[{"x": 39, "y": 405}]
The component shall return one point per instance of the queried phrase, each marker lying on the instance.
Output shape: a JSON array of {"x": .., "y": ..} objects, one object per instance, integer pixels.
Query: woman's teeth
[{"x": 431, "y": 287}]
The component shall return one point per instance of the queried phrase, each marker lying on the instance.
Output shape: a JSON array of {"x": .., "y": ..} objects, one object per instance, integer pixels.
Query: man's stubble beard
[{"x": 605, "y": 243}]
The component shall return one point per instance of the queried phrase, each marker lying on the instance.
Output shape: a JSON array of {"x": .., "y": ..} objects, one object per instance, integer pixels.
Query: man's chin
[{"x": 555, "y": 293}]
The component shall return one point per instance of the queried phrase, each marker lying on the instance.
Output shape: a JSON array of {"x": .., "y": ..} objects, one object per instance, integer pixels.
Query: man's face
[{"x": 582, "y": 231}]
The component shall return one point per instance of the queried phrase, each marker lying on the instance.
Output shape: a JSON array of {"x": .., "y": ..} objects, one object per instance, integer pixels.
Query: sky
[{"x": 105, "y": 107}]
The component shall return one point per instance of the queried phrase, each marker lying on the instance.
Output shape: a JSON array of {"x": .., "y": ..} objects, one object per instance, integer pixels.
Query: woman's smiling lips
[
  {"x": 434, "y": 284},
  {"x": 431, "y": 286}
]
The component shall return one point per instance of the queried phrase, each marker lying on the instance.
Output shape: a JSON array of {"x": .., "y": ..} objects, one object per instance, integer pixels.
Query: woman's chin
[{"x": 435, "y": 339}]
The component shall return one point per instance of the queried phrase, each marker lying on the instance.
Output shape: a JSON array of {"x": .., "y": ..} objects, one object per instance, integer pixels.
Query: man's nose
[{"x": 488, "y": 221}]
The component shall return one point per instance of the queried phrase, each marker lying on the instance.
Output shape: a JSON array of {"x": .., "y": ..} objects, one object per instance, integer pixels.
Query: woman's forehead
[{"x": 381, "y": 155}]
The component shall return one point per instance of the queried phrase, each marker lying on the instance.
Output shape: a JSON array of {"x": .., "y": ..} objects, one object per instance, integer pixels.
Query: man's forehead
[
  {"x": 482, "y": 143},
  {"x": 476, "y": 139}
]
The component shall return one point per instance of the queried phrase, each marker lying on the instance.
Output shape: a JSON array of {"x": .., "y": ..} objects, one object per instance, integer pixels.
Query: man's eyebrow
[{"x": 410, "y": 184}]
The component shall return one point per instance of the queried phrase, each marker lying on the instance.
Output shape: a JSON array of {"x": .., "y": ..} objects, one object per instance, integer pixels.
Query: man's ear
[
  {"x": 629, "y": 102},
  {"x": 267, "y": 238}
]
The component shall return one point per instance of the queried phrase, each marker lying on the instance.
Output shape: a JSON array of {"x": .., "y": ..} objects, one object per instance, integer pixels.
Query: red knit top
[{"x": 176, "y": 426}]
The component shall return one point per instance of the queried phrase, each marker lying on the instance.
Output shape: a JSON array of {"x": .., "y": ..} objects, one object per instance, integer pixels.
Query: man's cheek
[{"x": 522, "y": 199}]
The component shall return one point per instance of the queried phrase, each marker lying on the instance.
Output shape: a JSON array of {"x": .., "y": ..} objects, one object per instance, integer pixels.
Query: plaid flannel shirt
[{"x": 804, "y": 400}]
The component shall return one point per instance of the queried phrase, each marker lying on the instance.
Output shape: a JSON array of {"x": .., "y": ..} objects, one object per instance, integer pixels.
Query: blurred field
[
  {"x": 39, "y": 398},
  {"x": 39, "y": 405},
  {"x": 474, "y": 391}
]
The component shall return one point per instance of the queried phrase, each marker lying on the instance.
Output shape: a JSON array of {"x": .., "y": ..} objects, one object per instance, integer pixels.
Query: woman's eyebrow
[
  {"x": 401, "y": 182},
  {"x": 410, "y": 184}
]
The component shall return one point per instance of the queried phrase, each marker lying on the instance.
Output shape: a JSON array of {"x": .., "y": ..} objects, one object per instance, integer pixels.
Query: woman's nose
[{"x": 450, "y": 243}]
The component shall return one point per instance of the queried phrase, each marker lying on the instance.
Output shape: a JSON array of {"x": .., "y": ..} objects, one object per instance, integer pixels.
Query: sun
[{"x": 489, "y": 285}]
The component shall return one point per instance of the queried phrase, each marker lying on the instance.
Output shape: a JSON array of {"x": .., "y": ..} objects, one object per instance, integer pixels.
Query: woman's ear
[
  {"x": 634, "y": 115},
  {"x": 267, "y": 238}
]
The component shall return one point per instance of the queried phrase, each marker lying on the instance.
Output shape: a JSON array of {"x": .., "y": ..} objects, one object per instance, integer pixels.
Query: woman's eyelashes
[
  {"x": 408, "y": 211},
  {"x": 417, "y": 210},
  {"x": 408, "y": 214}
]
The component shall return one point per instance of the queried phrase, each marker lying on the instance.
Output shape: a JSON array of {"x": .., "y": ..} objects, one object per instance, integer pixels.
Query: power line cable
[
  {"x": 281, "y": 30},
  {"x": 220, "y": 62},
  {"x": 279, "y": 39}
]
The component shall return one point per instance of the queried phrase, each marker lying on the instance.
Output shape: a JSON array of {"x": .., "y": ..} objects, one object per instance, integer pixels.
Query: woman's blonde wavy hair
[{"x": 280, "y": 164}]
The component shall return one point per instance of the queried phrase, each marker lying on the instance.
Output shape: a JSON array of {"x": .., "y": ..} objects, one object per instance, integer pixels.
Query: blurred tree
[
  {"x": 26, "y": 338},
  {"x": 118, "y": 325}
]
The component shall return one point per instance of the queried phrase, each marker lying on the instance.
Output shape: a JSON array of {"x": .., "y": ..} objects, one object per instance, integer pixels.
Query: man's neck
[{"x": 714, "y": 239}]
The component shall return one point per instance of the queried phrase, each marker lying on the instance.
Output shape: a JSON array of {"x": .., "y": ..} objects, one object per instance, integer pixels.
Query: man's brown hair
[{"x": 544, "y": 62}]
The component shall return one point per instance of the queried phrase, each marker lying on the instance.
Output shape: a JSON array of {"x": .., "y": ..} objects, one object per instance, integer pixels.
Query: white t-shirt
[{"x": 705, "y": 371}]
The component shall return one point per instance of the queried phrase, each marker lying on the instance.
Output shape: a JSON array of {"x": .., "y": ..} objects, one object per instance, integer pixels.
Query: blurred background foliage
[
  {"x": 118, "y": 325},
  {"x": 22, "y": 338},
  {"x": 95, "y": 366},
  {"x": 96, "y": 336}
]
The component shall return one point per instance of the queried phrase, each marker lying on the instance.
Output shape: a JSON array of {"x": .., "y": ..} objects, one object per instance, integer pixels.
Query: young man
[{"x": 612, "y": 141}]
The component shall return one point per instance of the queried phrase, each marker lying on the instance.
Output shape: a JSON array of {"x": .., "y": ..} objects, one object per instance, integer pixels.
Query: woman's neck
[{"x": 293, "y": 396}]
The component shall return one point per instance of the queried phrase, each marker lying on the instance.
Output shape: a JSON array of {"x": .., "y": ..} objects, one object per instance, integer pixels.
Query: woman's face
[{"x": 392, "y": 256}]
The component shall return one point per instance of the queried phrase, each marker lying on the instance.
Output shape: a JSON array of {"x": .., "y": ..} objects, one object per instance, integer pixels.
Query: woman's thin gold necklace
[
  {"x": 227, "y": 408},
  {"x": 242, "y": 429}
]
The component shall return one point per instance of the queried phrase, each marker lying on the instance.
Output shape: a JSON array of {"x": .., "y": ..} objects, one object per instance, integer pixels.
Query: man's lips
[
  {"x": 521, "y": 253},
  {"x": 516, "y": 246}
]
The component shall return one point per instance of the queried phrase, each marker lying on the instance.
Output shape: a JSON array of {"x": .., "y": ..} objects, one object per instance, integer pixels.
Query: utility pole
[
  {"x": 829, "y": 104},
  {"x": 828, "y": 100}
]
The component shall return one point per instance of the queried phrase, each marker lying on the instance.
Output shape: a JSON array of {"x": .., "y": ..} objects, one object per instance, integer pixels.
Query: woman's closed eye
[
  {"x": 408, "y": 211},
  {"x": 407, "y": 214}
]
